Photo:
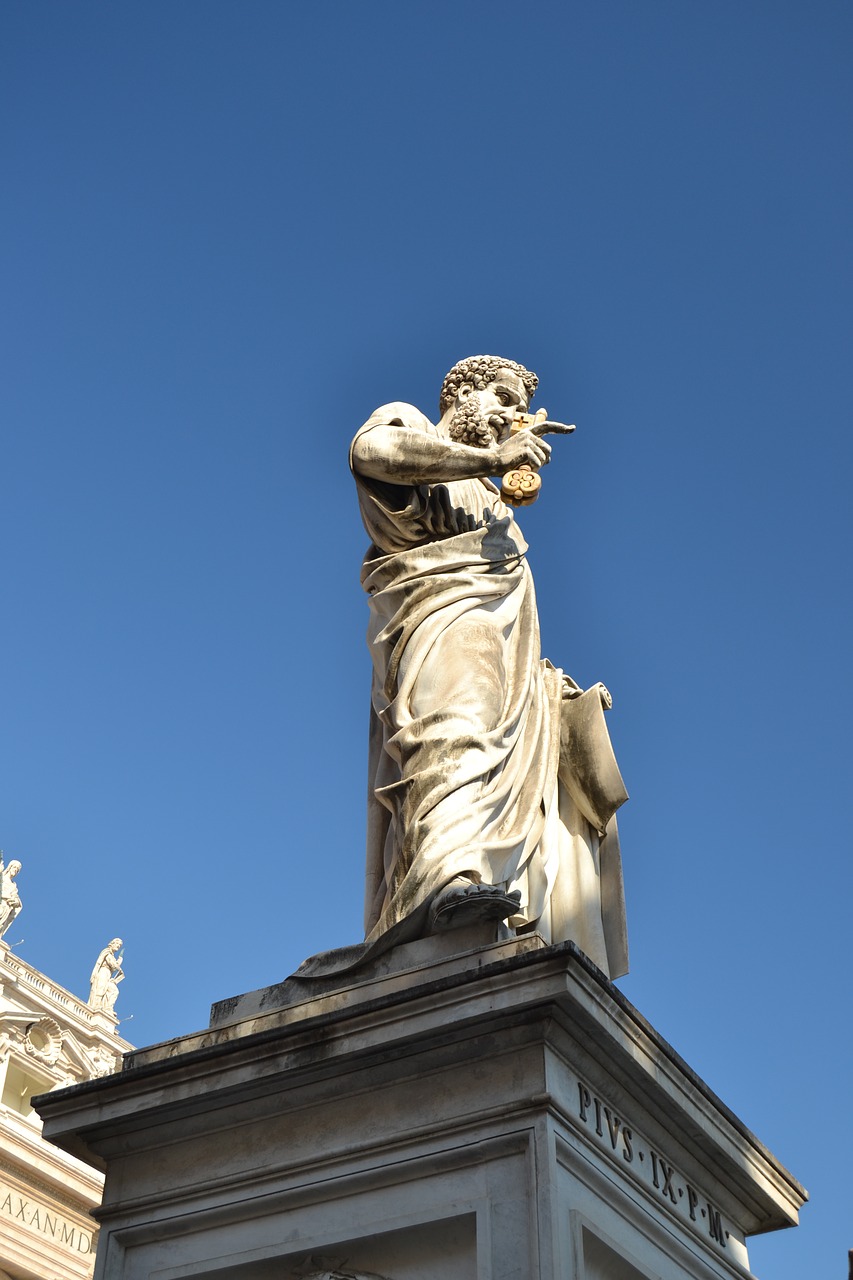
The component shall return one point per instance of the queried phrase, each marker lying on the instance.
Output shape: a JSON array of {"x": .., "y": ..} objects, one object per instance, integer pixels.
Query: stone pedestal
[{"x": 497, "y": 1114}]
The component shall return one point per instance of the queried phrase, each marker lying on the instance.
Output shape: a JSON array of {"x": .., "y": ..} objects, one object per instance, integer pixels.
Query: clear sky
[{"x": 229, "y": 231}]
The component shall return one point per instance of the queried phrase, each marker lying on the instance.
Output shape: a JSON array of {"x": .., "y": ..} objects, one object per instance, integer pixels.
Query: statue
[
  {"x": 10, "y": 899},
  {"x": 492, "y": 785},
  {"x": 106, "y": 976}
]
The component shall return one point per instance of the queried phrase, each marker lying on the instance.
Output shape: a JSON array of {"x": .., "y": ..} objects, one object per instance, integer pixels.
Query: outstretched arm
[{"x": 403, "y": 455}]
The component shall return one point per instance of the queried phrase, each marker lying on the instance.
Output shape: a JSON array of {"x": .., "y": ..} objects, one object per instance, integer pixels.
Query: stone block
[{"x": 499, "y": 1113}]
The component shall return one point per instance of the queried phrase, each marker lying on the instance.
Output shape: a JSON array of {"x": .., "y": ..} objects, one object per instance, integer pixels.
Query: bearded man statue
[{"x": 485, "y": 801}]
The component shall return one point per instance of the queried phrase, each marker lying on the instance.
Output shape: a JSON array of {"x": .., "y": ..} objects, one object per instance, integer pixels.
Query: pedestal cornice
[{"x": 434, "y": 1018}]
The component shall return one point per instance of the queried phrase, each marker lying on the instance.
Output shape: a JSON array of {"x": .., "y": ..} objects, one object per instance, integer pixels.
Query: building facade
[{"x": 49, "y": 1039}]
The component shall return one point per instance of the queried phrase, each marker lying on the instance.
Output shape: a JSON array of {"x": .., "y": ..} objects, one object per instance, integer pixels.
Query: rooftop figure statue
[
  {"x": 106, "y": 976},
  {"x": 10, "y": 898},
  {"x": 492, "y": 786}
]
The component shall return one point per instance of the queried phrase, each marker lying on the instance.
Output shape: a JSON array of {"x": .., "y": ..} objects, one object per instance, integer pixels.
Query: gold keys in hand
[{"x": 520, "y": 486}]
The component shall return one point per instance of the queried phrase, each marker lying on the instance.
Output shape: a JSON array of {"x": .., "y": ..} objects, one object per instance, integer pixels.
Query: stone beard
[
  {"x": 469, "y": 426},
  {"x": 466, "y": 779}
]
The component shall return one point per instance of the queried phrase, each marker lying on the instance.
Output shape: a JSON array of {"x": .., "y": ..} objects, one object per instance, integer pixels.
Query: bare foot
[{"x": 463, "y": 903}]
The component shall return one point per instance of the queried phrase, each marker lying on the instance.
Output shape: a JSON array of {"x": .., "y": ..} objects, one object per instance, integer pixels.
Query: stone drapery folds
[{"x": 465, "y": 772}]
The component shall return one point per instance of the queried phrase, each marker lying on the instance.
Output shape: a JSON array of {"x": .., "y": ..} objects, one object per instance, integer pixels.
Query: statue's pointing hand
[
  {"x": 549, "y": 428},
  {"x": 523, "y": 448},
  {"x": 521, "y": 484},
  {"x": 532, "y": 451},
  {"x": 541, "y": 425}
]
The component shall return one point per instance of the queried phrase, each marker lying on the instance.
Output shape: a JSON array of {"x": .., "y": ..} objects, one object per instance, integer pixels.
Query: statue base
[{"x": 497, "y": 1112}]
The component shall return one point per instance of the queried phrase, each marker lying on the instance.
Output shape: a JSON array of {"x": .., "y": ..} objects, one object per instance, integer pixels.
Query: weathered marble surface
[
  {"x": 505, "y": 1114},
  {"x": 475, "y": 810},
  {"x": 385, "y": 972}
]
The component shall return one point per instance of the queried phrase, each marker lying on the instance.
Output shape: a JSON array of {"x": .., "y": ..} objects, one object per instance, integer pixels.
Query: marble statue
[
  {"x": 10, "y": 899},
  {"x": 492, "y": 785},
  {"x": 106, "y": 976}
]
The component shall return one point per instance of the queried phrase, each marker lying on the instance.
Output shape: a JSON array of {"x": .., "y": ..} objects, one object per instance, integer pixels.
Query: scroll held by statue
[{"x": 587, "y": 764}]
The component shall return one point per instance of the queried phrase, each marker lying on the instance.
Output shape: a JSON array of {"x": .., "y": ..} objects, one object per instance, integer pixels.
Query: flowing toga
[{"x": 465, "y": 773}]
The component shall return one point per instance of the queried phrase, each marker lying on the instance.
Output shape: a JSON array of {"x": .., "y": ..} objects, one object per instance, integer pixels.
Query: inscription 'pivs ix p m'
[{"x": 661, "y": 1175}]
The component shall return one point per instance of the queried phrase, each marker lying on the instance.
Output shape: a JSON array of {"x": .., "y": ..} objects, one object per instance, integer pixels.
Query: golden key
[{"x": 520, "y": 486}]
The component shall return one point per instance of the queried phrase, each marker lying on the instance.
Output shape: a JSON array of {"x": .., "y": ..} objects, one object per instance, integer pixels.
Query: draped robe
[{"x": 464, "y": 755}]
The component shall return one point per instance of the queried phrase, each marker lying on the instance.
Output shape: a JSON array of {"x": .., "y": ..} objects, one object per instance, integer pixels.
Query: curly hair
[{"x": 481, "y": 371}]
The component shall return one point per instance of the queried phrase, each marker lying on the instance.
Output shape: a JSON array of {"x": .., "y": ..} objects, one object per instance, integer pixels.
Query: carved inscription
[
  {"x": 38, "y": 1218},
  {"x": 649, "y": 1165}
]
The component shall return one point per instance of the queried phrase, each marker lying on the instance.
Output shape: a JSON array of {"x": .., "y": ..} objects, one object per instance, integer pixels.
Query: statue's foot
[{"x": 462, "y": 903}]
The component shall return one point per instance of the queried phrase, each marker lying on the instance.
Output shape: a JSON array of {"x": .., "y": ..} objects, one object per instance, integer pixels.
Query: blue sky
[{"x": 230, "y": 231}]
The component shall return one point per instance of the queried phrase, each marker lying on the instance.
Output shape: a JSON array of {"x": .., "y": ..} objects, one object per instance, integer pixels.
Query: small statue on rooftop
[
  {"x": 106, "y": 976},
  {"x": 10, "y": 899}
]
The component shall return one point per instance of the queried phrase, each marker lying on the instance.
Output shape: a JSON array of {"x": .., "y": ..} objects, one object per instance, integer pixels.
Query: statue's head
[
  {"x": 482, "y": 393},
  {"x": 115, "y": 945},
  {"x": 13, "y": 868},
  {"x": 479, "y": 372}
]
